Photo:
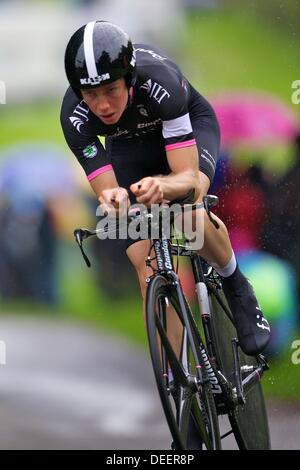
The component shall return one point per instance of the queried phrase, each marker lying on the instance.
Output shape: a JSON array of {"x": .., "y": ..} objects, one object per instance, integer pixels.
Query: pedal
[{"x": 263, "y": 362}]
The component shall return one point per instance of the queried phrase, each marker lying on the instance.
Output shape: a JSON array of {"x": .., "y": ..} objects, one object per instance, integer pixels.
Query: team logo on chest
[{"x": 155, "y": 90}]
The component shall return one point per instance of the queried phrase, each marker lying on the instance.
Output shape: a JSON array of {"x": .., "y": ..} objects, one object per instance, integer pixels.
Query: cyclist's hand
[
  {"x": 148, "y": 191},
  {"x": 114, "y": 201}
]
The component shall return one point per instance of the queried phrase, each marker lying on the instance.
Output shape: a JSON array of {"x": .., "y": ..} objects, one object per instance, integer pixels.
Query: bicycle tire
[
  {"x": 200, "y": 407},
  {"x": 249, "y": 422}
]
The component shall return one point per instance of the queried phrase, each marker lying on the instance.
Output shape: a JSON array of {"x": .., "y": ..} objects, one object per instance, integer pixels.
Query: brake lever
[{"x": 80, "y": 235}]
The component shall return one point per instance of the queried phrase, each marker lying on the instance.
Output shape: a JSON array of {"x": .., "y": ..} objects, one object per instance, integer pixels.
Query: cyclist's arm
[
  {"x": 103, "y": 182},
  {"x": 110, "y": 195},
  {"x": 184, "y": 175},
  {"x": 82, "y": 139}
]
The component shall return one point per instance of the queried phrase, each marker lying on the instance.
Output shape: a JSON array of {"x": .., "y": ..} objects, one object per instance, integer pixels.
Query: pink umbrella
[{"x": 254, "y": 119}]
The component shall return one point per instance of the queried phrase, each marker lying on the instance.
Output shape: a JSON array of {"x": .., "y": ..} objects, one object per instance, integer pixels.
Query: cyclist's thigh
[{"x": 206, "y": 131}]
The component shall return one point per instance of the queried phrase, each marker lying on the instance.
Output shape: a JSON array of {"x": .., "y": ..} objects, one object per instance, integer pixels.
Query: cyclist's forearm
[
  {"x": 176, "y": 185},
  {"x": 104, "y": 181}
]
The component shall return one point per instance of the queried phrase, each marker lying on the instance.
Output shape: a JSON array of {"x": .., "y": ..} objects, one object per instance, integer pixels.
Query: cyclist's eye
[{"x": 88, "y": 95}]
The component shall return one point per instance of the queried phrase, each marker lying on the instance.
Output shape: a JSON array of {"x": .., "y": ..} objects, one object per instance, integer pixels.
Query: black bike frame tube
[
  {"x": 162, "y": 248},
  {"x": 197, "y": 268},
  {"x": 163, "y": 319},
  {"x": 220, "y": 302},
  {"x": 199, "y": 277}
]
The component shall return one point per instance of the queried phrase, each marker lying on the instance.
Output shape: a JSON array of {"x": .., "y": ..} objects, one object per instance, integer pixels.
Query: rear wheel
[
  {"x": 188, "y": 406},
  {"x": 249, "y": 422}
]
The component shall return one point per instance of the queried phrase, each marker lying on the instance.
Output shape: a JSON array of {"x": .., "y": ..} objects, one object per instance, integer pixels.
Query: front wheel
[{"x": 188, "y": 405}]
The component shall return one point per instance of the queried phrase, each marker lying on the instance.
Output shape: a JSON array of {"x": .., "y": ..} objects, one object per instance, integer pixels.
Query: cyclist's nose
[{"x": 103, "y": 105}]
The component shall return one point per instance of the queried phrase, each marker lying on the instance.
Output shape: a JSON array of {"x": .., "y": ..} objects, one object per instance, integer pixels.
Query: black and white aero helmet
[{"x": 99, "y": 53}]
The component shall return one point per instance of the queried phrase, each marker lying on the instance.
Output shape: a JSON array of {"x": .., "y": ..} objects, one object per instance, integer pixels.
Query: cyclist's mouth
[{"x": 108, "y": 117}]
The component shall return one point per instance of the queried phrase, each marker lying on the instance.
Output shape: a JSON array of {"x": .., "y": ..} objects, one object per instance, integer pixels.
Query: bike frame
[
  {"x": 206, "y": 286},
  {"x": 198, "y": 373}
]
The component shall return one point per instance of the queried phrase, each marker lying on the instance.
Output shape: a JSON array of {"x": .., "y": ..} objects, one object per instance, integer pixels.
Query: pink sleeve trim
[
  {"x": 95, "y": 173},
  {"x": 180, "y": 145}
]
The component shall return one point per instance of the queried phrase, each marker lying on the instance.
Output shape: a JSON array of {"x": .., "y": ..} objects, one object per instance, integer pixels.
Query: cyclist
[{"x": 155, "y": 123}]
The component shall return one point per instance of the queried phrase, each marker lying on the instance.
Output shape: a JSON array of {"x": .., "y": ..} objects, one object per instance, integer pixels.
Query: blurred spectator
[
  {"x": 114, "y": 273},
  {"x": 242, "y": 205},
  {"x": 36, "y": 183},
  {"x": 282, "y": 233},
  {"x": 27, "y": 251}
]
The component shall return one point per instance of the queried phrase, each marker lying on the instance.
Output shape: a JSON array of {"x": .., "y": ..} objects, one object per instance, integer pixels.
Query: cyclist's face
[{"x": 108, "y": 102}]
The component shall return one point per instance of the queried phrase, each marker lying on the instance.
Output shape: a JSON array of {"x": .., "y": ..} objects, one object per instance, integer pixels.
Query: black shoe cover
[{"x": 253, "y": 329}]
